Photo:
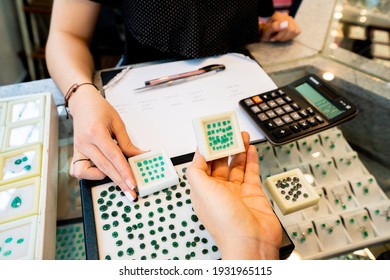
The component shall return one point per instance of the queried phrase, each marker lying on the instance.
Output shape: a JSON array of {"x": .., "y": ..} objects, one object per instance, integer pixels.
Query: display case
[
  {"x": 352, "y": 212},
  {"x": 361, "y": 27},
  {"x": 28, "y": 177}
]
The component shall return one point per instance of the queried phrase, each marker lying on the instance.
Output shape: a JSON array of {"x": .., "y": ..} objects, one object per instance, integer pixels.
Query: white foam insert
[
  {"x": 333, "y": 142},
  {"x": 24, "y": 133},
  {"x": 18, "y": 238},
  {"x": 267, "y": 157},
  {"x": 367, "y": 190},
  {"x": 319, "y": 210},
  {"x": 324, "y": 171},
  {"x": 349, "y": 165},
  {"x": 331, "y": 232},
  {"x": 26, "y": 108},
  {"x": 340, "y": 197},
  {"x": 304, "y": 238},
  {"x": 380, "y": 215},
  {"x": 153, "y": 172},
  {"x": 311, "y": 148},
  {"x": 20, "y": 199},
  {"x": 358, "y": 225},
  {"x": 218, "y": 135},
  {"x": 291, "y": 191},
  {"x": 288, "y": 154},
  {"x": 20, "y": 164}
]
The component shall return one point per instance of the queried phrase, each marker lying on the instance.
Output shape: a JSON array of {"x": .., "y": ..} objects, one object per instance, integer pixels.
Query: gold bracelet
[{"x": 70, "y": 92}]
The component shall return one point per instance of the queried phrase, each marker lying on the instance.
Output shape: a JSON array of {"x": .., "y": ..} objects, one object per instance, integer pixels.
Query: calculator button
[
  {"x": 287, "y": 108},
  {"x": 310, "y": 111},
  {"x": 295, "y": 128},
  {"x": 269, "y": 125},
  {"x": 255, "y": 109},
  {"x": 295, "y": 116},
  {"x": 281, "y": 132},
  {"x": 263, "y": 117},
  {"x": 288, "y": 99},
  {"x": 295, "y": 106},
  {"x": 312, "y": 122},
  {"x": 271, "y": 114},
  {"x": 279, "y": 111},
  {"x": 281, "y": 92},
  {"x": 264, "y": 107},
  {"x": 319, "y": 119},
  {"x": 303, "y": 113},
  {"x": 287, "y": 119},
  {"x": 272, "y": 104},
  {"x": 257, "y": 99},
  {"x": 278, "y": 122},
  {"x": 265, "y": 96},
  {"x": 249, "y": 102},
  {"x": 274, "y": 95},
  {"x": 280, "y": 101},
  {"x": 304, "y": 125}
]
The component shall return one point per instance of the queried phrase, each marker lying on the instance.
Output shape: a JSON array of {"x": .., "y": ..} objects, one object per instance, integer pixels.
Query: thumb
[
  {"x": 198, "y": 170},
  {"x": 124, "y": 142}
]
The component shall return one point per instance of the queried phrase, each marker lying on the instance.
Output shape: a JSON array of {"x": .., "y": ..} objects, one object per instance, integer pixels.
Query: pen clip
[{"x": 213, "y": 67}]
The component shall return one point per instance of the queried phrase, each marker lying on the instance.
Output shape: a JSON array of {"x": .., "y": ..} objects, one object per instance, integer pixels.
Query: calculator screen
[{"x": 318, "y": 100}]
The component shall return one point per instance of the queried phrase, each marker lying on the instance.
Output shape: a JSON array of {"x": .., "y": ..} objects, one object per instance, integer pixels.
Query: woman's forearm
[{"x": 68, "y": 56}]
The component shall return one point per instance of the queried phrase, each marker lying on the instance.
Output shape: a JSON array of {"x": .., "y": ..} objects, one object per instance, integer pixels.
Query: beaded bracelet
[{"x": 70, "y": 92}]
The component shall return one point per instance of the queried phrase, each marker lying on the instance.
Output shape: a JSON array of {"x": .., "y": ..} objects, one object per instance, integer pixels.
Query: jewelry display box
[{"x": 28, "y": 177}]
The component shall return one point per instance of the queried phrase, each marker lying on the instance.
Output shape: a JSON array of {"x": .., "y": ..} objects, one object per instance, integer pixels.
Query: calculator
[{"x": 301, "y": 108}]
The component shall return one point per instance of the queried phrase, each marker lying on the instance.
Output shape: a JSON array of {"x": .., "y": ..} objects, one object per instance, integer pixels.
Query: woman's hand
[
  {"x": 280, "y": 27},
  {"x": 96, "y": 155},
  {"x": 230, "y": 202}
]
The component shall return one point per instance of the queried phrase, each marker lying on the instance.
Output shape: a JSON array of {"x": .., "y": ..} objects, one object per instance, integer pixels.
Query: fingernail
[
  {"x": 130, "y": 196},
  {"x": 283, "y": 24},
  {"x": 130, "y": 185}
]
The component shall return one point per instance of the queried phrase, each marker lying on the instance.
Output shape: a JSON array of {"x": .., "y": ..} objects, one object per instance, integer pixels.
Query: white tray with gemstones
[
  {"x": 162, "y": 225},
  {"x": 28, "y": 176}
]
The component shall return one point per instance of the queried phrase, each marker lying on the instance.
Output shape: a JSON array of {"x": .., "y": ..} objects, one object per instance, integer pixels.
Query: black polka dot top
[{"x": 190, "y": 28}]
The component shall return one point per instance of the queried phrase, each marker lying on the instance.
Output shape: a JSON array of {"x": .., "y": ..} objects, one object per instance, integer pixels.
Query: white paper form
[{"x": 161, "y": 118}]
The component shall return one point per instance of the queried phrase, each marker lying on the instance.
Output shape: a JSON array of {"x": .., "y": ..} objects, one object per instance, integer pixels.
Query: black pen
[{"x": 183, "y": 77}]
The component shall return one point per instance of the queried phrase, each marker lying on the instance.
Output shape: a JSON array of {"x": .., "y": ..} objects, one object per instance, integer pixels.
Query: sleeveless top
[{"x": 157, "y": 29}]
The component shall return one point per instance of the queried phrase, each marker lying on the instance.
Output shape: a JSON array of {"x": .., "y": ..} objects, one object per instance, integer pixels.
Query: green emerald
[
  {"x": 130, "y": 251},
  {"x": 16, "y": 202}
]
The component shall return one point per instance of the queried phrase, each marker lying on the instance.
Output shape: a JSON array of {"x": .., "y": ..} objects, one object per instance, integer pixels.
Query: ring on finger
[{"x": 82, "y": 159}]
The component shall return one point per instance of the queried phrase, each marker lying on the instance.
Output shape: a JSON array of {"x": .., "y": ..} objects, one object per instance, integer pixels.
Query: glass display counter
[{"x": 361, "y": 27}]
